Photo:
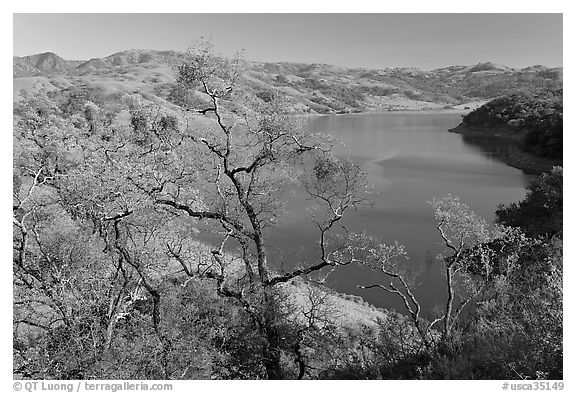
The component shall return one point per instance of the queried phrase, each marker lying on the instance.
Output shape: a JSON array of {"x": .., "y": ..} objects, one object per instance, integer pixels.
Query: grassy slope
[{"x": 310, "y": 88}]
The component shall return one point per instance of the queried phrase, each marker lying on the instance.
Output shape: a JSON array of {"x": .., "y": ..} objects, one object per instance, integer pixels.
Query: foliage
[
  {"x": 111, "y": 279},
  {"x": 541, "y": 212},
  {"x": 137, "y": 184},
  {"x": 503, "y": 316},
  {"x": 539, "y": 117}
]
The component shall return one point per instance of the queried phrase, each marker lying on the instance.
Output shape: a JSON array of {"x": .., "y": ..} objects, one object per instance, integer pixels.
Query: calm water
[{"x": 410, "y": 159}]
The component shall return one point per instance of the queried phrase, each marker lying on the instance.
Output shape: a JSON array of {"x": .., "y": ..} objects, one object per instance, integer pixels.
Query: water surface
[{"x": 410, "y": 158}]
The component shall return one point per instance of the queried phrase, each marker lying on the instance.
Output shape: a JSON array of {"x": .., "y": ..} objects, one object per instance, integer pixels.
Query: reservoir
[{"x": 410, "y": 158}]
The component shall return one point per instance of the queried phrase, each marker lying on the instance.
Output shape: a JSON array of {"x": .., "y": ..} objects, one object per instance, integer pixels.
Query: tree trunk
[
  {"x": 272, "y": 362},
  {"x": 272, "y": 349},
  {"x": 449, "y": 302}
]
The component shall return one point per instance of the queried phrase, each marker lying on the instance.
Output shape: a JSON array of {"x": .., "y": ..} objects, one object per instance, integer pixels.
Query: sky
[{"x": 426, "y": 41}]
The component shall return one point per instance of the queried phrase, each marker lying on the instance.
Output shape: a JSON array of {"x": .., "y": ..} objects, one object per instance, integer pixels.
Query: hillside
[
  {"x": 311, "y": 88},
  {"x": 535, "y": 121}
]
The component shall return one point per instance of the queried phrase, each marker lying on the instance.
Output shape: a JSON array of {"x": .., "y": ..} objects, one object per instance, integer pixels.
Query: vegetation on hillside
[
  {"x": 111, "y": 281},
  {"x": 536, "y": 119},
  {"x": 541, "y": 212},
  {"x": 309, "y": 88}
]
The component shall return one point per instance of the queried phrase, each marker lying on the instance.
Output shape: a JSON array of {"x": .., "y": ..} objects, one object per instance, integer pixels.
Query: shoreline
[
  {"x": 526, "y": 162},
  {"x": 399, "y": 112},
  {"x": 489, "y": 132}
]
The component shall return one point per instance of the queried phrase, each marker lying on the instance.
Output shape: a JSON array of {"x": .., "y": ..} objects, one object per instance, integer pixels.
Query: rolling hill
[{"x": 310, "y": 88}]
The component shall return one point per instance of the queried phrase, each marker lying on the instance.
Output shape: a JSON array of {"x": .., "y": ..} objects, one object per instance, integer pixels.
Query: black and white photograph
[{"x": 286, "y": 196}]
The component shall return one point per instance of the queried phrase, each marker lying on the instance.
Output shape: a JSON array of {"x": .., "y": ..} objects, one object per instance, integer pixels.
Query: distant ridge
[
  {"x": 95, "y": 64},
  {"x": 489, "y": 66},
  {"x": 49, "y": 61},
  {"x": 536, "y": 67},
  {"x": 312, "y": 88},
  {"x": 46, "y": 62}
]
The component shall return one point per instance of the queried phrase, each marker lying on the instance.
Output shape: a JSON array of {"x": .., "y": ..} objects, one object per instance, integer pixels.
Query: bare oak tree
[
  {"x": 251, "y": 152},
  {"x": 148, "y": 180},
  {"x": 466, "y": 238}
]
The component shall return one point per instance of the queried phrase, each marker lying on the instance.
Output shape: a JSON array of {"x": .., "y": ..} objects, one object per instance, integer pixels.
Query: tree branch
[{"x": 204, "y": 214}]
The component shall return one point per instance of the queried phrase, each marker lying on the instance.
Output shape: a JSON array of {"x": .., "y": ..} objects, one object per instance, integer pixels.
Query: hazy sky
[{"x": 354, "y": 40}]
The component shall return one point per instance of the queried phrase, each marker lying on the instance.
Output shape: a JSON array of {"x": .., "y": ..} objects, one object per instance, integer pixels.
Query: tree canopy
[
  {"x": 113, "y": 280},
  {"x": 537, "y": 118}
]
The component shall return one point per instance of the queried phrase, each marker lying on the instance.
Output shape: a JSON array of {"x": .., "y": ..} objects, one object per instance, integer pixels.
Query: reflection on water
[
  {"x": 410, "y": 158},
  {"x": 486, "y": 145}
]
